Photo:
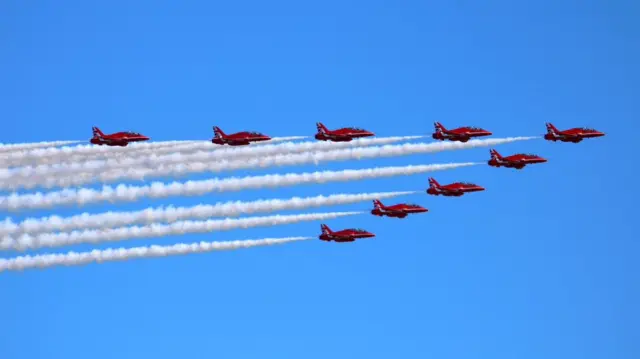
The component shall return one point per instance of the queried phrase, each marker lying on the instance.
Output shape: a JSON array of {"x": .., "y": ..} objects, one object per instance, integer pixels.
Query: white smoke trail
[
  {"x": 85, "y": 152},
  {"x": 123, "y": 254},
  {"x": 10, "y": 147},
  {"x": 160, "y": 170},
  {"x": 125, "y": 193},
  {"x": 94, "y": 167},
  {"x": 27, "y": 241},
  {"x": 55, "y": 155},
  {"x": 172, "y": 214}
]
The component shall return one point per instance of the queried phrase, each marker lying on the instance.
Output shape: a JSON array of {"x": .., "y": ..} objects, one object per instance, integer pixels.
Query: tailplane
[
  {"x": 321, "y": 128},
  {"x": 325, "y": 229},
  {"x": 217, "y": 132},
  {"x": 96, "y": 132},
  {"x": 494, "y": 154},
  {"x": 433, "y": 183},
  {"x": 439, "y": 128},
  {"x": 551, "y": 129},
  {"x": 377, "y": 204}
]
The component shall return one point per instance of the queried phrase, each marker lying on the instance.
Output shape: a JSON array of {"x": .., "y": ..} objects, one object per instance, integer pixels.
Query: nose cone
[
  {"x": 368, "y": 134},
  {"x": 369, "y": 235},
  {"x": 422, "y": 210},
  {"x": 144, "y": 138},
  {"x": 478, "y": 188},
  {"x": 486, "y": 133},
  {"x": 541, "y": 160},
  {"x": 597, "y": 134}
]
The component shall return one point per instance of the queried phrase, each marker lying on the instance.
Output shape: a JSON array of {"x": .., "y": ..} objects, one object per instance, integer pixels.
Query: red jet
[
  {"x": 340, "y": 135},
  {"x": 456, "y": 189},
  {"x": 461, "y": 134},
  {"x": 397, "y": 211},
  {"x": 517, "y": 161},
  {"x": 116, "y": 139},
  {"x": 346, "y": 235},
  {"x": 237, "y": 139},
  {"x": 574, "y": 135}
]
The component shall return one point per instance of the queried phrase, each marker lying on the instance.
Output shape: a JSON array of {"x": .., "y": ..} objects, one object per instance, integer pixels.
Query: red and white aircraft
[
  {"x": 345, "y": 134},
  {"x": 237, "y": 139},
  {"x": 397, "y": 211},
  {"x": 455, "y": 189},
  {"x": 346, "y": 235},
  {"x": 116, "y": 139},
  {"x": 574, "y": 135},
  {"x": 461, "y": 134},
  {"x": 517, "y": 161}
]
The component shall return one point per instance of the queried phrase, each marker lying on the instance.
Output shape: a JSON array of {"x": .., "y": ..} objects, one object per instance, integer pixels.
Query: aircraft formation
[{"x": 462, "y": 134}]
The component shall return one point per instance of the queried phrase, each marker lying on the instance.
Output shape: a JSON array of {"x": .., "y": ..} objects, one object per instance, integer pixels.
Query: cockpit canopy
[
  {"x": 360, "y": 230},
  {"x": 355, "y": 129},
  {"x": 467, "y": 184},
  {"x": 472, "y": 128},
  {"x": 130, "y": 133},
  {"x": 254, "y": 133},
  {"x": 587, "y": 129}
]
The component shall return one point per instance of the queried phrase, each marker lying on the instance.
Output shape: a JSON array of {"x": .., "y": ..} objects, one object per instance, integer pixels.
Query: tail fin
[
  {"x": 433, "y": 182},
  {"x": 439, "y": 128},
  {"x": 217, "y": 132},
  {"x": 97, "y": 132},
  {"x": 551, "y": 129},
  {"x": 321, "y": 128},
  {"x": 325, "y": 229},
  {"x": 377, "y": 204},
  {"x": 494, "y": 154}
]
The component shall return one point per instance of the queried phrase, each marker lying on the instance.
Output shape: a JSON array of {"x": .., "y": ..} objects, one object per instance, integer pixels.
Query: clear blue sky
[{"x": 544, "y": 264}]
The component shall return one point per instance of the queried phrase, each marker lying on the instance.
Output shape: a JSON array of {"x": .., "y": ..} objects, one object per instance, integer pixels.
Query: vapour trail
[
  {"x": 85, "y": 152},
  {"x": 123, "y": 254},
  {"x": 10, "y": 147},
  {"x": 154, "y": 230},
  {"x": 179, "y": 156},
  {"x": 127, "y": 193},
  {"x": 160, "y": 170},
  {"x": 172, "y": 214}
]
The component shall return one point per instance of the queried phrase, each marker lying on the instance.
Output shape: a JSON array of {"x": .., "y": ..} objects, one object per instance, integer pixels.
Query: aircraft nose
[{"x": 599, "y": 134}]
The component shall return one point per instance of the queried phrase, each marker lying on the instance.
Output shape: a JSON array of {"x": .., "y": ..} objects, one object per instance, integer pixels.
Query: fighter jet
[
  {"x": 345, "y": 235},
  {"x": 455, "y": 189},
  {"x": 116, "y": 139},
  {"x": 517, "y": 161},
  {"x": 398, "y": 211},
  {"x": 574, "y": 135},
  {"x": 461, "y": 134},
  {"x": 237, "y": 139},
  {"x": 345, "y": 134}
]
